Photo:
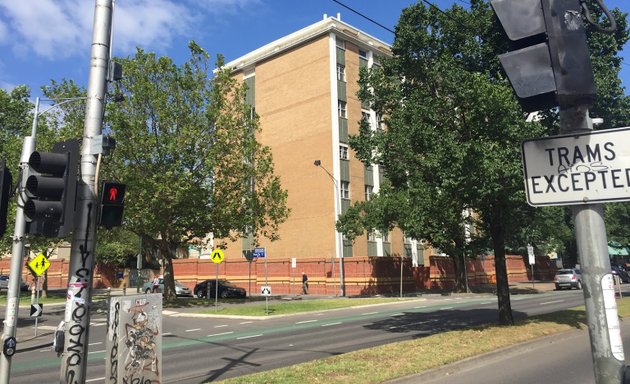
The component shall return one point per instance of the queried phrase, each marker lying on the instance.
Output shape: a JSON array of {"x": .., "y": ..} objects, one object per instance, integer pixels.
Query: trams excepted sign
[{"x": 593, "y": 167}]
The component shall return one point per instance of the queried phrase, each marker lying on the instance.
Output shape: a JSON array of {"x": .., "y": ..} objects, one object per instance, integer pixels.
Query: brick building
[{"x": 303, "y": 86}]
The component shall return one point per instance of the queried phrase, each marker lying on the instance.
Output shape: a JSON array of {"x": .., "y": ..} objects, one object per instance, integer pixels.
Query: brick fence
[{"x": 363, "y": 275}]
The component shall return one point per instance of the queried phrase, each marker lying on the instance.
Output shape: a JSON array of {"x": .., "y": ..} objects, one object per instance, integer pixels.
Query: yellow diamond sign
[{"x": 39, "y": 264}]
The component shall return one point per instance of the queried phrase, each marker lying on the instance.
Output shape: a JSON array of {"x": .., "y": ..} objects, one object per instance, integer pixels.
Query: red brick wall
[{"x": 363, "y": 275}]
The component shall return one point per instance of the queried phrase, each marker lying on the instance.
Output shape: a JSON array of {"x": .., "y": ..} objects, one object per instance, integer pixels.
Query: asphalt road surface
[{"x": 198, "y": 350}]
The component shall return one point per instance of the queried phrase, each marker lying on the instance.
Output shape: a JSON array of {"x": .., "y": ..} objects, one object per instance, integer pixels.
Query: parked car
[
  {"x": 180, "y": 289},
  {"x": 226, "y": 289},
  {"x": 568, "y": 278},
  {"x": 4, "y": 283},
  {"x": 619, "y": 271}
]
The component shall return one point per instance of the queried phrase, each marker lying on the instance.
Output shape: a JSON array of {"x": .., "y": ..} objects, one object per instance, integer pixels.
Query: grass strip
[
  {"x": 391, "y": 361},
  {"x": 300, "y": 306}
]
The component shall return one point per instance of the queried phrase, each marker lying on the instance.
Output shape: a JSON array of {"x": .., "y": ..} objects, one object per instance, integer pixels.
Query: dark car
[
  {"x": 623, "y": 275},
  {"x": 4, "y": 283},
  {"x": 568, "y": 278},
  {"x": 226, "y": 289}
]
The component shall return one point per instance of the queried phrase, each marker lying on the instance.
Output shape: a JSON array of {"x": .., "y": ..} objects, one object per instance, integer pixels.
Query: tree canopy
[
  {"x": 186, "y": 148},
  {"x": 452, "y": 142}
]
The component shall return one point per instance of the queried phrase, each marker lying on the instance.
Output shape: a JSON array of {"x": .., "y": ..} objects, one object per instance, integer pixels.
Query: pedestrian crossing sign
[
  {"x": 39, "y": 264},
  {"x": 217, "y": 256}
]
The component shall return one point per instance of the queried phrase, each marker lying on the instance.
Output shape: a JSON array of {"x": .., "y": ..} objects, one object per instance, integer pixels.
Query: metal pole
[
  {"x": 81, "y": 266},
  {"x": 216, "y": 291},
  {"x": 401, "y": 276},
  {"x": 598, "y": 287},
  {"x": 37, "y": 281},
  {"x": 17, "y": 251}
]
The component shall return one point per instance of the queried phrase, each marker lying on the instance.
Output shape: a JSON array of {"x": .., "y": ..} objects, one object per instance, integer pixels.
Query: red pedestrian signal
[{"x": 112, "y": 204}]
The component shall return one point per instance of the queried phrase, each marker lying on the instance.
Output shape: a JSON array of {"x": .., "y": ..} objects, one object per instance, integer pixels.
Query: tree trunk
[
  {"x": 169, "y": 278},
  {"x": 503, "y": 289},
  {"x": 460, "y": 273}
]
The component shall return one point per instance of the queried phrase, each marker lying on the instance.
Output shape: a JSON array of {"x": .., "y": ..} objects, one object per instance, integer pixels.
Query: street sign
[
  {"x": 217, "y": 256},
  {"x": 530, "y": 253},
  {"x": 39, "y": 264},
  {"x": 293, "y": 262},
  {"x": 265, "y": 290},
  {"x": 586, "y": 168},
  {"x": 37, "y": 310},
  {"x": 259, "y": 252}
]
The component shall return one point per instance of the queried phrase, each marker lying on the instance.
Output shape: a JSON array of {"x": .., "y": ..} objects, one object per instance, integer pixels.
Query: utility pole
[
  {"x": 17, "y": 256},
  {"x": 598, "y": 287},
  {"x": 77, "y": 311}
]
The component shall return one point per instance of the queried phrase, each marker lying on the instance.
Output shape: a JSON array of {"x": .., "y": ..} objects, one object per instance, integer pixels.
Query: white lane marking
[
  {"x": 443, "y": 308},
  {"x": 96, "y": 351},
  {"x": 248, "y": 337},
  {"x": 45, "y": 350},
  {"x": 221, "y": 326},
  {"x": 97, "y": 379},
  {"x": 306, "y": 321},
  {"x": 220, "y": 334},
  {"x": 329, "y": 324},
  {"x": 167, "y": 333},
  {"x": 485, "y": 302},
  {"x": 422, "y": 306},
  {"x": 369, "y": 313},
  {"x": 552, "y": 302},
  {"x": 96, "y": 324},
  {"x": 96, "y": 343},
  {"x": 193, "y": 330},
  {"x": 246, "y": 322},
  {"x": 397, "y": 314}
]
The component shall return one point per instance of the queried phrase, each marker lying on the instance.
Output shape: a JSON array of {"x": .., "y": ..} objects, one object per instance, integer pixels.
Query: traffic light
[
  {"x": 551, "y": 64},
  {"x": 5, "y": 193},
  {"x": 112, "y": 204},
  {"x": 51, "y": 190}
]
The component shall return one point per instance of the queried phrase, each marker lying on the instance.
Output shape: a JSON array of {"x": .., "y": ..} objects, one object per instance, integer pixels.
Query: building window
[
  {"x": 369, "y": 190},
  {"x": 341, "y": 72},
  {"x": 341, "y": 108},
  {"x": 343, "y": 152},
  {"x": 365, "y": 116},
  {"x": 341, "y": 44},
  {"x": 372, "y": 235},
  {"x": 363, "y": 54},
  {"x": 345, "y": 190},
  {"x": 385, "y": 237}
]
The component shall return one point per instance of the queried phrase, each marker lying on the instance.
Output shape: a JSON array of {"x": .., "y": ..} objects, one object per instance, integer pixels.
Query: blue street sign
[{"x": 259, "y": 252}]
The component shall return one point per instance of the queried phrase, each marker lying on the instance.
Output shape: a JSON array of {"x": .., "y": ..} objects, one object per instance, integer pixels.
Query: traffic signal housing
[
  {"x": 112, "y": 204},
  {"x": 5, "y": 194},
  {"x": 550, "y": 64},
  {"x": 51, "y": 190}
]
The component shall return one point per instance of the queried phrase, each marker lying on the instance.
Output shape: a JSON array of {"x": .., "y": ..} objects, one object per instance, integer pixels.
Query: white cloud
[
  {"x": 58, "y": 29},
  {"x": 47, "y": 27},
  {"x": 151, "y": 24}
]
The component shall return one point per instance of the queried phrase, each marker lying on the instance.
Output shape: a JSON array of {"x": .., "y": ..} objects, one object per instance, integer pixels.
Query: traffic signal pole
[
  {"x": 598, "y": 287},
  {"x": 17, "y": 257},
  {"x": 80, "y": 276}
]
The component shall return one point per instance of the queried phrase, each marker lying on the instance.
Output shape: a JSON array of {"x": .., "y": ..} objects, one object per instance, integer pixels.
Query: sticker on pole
[{"x": 585, "y": 168}]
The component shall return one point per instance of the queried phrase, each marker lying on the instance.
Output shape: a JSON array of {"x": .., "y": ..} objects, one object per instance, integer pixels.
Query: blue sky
[{"x": 42, "y": 40}]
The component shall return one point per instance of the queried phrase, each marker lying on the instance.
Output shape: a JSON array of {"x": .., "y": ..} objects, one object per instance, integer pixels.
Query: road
[{"x": 197, "y": 350}]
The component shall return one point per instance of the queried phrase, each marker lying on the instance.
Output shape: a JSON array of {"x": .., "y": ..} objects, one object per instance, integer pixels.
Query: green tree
[
  {"x": 186, "y": 148},
  {"x": 452, "y": 141}
]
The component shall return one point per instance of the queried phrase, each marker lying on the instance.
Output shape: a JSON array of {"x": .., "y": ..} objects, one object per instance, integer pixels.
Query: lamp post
[{"x": 339, "y": 240}]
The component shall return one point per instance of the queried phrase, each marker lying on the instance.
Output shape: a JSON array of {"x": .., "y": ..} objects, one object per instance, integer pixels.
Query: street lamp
[{"x": 342, "y": 286}]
